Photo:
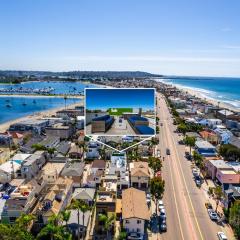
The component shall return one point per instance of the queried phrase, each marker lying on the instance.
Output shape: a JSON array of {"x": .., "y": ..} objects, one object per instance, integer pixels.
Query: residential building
[
  {"x": 56, "y": 199},
  {"x": 60, "y": 130},
  {"x": 139, "y": 174},
  {"x": 34, "y": 126},
  {"x": 74, "y": 225},
  {"x": 209, "y": 136},
  {"x": 213, "y": 165},
  {"x": 74, "y": 170},
  {"x": 92, "y": 151},
  {"x": 33, "y": 164},
  {"x": 51, "y": 171},
  {"x": 75, "y": 152},
  {"x": 105, "y": 204},
  {"x": 98, "y": 165},
  {"x": 85, "y": 194},
  {"x": 50, "y": 142},
  {"x": 205, "y": 148},
  {"x": 22, "y": 200},
  {"x": 135, "y": 211}
]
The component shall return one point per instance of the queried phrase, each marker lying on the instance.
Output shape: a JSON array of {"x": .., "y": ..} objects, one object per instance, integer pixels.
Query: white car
[
  {"x": 160, "y": 205},
  {"x": 221, "y": 236},
  {"x": 195, "y": 171}
]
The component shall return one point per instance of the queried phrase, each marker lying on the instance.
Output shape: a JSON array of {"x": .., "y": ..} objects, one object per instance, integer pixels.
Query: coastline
[
  {"x": 4, "y": 126},
  {"x": 39, "y": 96},
  {"x": 209, "y": 100},
  {"x": 200, "y": 95}
]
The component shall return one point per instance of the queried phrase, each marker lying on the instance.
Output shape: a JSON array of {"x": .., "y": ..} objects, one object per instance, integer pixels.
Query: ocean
[
  {"x": 15, "y": 107},
  {"x": 225, "y": 90}
]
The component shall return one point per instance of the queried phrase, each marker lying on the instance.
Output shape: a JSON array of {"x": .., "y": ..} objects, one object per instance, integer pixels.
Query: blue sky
[
  {"x": 121, "y": 98},
  {"x": 186, "y": 37}
]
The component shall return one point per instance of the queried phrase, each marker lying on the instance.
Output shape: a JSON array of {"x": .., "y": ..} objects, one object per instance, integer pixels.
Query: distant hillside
[{"x": 78, "y": 74}]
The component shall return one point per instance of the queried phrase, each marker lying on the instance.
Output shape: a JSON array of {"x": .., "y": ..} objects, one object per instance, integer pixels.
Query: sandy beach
[
  {"x": 40, "y": 96},
  {"x": 38, "y": 115},
  {"x": 210, "y": 100}
]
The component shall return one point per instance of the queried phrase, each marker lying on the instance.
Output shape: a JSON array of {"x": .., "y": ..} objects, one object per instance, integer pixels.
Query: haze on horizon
[{"x": 188, "y": 37}]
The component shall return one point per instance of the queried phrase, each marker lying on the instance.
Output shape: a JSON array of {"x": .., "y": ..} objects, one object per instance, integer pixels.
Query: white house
[{"x": 134, "y": 211}]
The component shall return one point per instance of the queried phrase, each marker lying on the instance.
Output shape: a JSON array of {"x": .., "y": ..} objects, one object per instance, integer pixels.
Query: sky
[
  {"x": 119, "y": 98},
  {"x": 187, "y": 37}
]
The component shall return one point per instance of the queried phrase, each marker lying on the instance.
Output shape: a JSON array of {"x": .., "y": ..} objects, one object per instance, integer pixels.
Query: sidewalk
[
  {"x": 154, "y": 234},
  {"x": 226, "y": 228}
]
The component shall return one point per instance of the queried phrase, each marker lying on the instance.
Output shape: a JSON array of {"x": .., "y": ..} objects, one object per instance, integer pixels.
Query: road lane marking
[
  {"x": 175, "y": 198},
  {"x": 194, "y": 214}
]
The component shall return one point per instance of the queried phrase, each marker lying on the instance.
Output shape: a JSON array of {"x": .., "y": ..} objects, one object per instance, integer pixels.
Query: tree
[
  {"x": 190, "y": 141},
  {"x": 80, "y": 206},
  {"x": 157, "y": 186},
  {"x": 182, "y": 128},
  {"x": 53, "y": 230},
  {"x": 107, "y": 223},
  {"x": 65, "y": 215},
  {"x": 155, "y": 163},
  {"x": 122, "y": 235},
  {"x": 198, "y": 159},
  {"x": 230, "y": 152},
  {"x": 234, "y": 218},
  {"x": 14, "y": 232},
  {"x": 218, "y": 193},
  {"x": 24, "y": 221}
]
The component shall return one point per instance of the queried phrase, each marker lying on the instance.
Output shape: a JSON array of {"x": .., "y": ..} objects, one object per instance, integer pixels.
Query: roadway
[{"x": 187, "y": 217}]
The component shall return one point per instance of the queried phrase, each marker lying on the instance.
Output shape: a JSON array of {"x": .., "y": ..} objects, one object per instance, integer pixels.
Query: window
[
  {"x": 139, "y": 221},
  {"x": 138, "y": 230},
  {"x": 127, "y": 221},
  {"x": 12, "y": 219}
]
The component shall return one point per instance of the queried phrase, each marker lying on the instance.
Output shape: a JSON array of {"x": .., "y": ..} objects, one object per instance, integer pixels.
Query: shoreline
[
  {"x": 40, "y": 96},
  {"x": 47, "y": 113},
  {"x": 203, "y": 97}
]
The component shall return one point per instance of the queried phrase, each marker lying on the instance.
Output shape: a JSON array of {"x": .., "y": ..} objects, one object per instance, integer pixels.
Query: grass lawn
[{"x": 119, "y": 111}]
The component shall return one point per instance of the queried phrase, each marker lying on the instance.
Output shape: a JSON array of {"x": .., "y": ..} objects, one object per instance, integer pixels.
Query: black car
[
  {"x": 198, "y": 181},
  {"x": 168, "y": 151}
]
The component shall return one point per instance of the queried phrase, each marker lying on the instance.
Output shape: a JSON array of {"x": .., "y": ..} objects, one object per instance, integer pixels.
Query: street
[{"x": 187, "y": 217}]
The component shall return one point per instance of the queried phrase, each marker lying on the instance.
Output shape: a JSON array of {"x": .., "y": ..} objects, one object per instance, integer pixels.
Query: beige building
[
  {"x": 134, "y": 211},
  {"x": 139, "y": 174},
  {"x": 57, "y": 198},
  {"x": 51, "y": 172}
]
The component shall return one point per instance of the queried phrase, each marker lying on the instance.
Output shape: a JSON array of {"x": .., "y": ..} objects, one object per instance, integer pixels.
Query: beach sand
[
  {"x": 4, "y": 126},
  {"x": 209, "y": 100}
]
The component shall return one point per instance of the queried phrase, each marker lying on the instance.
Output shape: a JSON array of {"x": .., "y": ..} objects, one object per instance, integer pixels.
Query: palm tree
[
  {"x": 190, "y": 141},
  {"x": 53, "y": 230},
  {"x": 80, "y": 206},
  {"x": 65, "y": 215},
  {"x": 107, "y": 221},
  {"x": 25, "y": 220},
  {"x": 218, "y": 195}
]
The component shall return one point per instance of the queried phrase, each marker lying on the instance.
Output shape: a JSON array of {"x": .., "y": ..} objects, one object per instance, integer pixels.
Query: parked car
[
  {"x": 162, "y": 215},
  {"x": 181, "y": 142},
  {"x": 135, "y": 236},
  {"x": 188, "y": 156},
  {"x": 168, "y": 151},
  {"x": 148, "y": 197},
  {"x": 160, "y": 205},
  {"x": 195, "y": 172},
  {"x": 198, "y": 181},
  {"x": 221, "y": 236},
  {"x": 213, "y": 215},
  {"x": 163, "y": 226}
]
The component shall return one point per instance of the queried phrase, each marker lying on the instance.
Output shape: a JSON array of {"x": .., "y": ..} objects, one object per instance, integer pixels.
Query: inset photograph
[{"x": 119, "y": 112}]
